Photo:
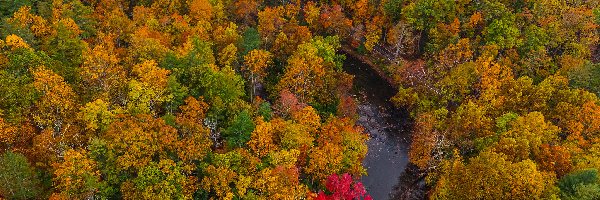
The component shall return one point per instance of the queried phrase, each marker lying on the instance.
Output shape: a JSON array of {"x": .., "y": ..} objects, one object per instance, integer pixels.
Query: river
[{"x": 389, "y": 130}]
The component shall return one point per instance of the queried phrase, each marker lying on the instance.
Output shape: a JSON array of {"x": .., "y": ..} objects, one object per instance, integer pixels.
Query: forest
[{"x": 249, "y": 99}]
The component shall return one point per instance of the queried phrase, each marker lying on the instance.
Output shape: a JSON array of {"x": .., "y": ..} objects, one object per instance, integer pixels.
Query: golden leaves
[
  {"x": 57, "y": 102},
  {"x": 16, "y": 42},
  {"x": 77, "y": 175},
  {"x": 257, "y": 61}
]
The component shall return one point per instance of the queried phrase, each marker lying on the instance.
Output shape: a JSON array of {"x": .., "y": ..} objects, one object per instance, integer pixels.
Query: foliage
[
  {"x": 18, "y": 178},
  {"x": 164, "y": 98},
  {"x": 343, "y": 187}
]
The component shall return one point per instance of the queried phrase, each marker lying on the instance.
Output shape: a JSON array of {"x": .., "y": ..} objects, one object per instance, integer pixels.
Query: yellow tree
[
  {"x": 101, "y": 71},
  {"x": 304, "y": 75},
  {"x": 56, "y": 105},
  {"x": 280, "y": 183},
  {"x": 262, "y": 140},
  {"x": 255, "y": 64},
  {"x": 492, "y": 176},
  {"x": 149, "y": 88}
]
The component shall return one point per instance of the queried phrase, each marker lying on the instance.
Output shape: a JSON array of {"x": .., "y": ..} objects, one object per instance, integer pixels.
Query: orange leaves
[
  {"x": 280, "y": 183},
  {"x": 341, "y": 147},
  {"x": 361, "y": 10},
  {"x": 57, "y": 103},
  {"x": 475, "y": 19},
  {"x": 218, "y": 180},
  {"x": 424, "y": 141},
  {"x": 334, "y": 21},
  {"x": 194, "y": 141},
  {"x": 246, "y": 10},
  {"x": 76, "y": 176},
  {"x": 192, "y": 113},
  {"x": 309, "y": 117},
  {"x": 329, "y": 155},
  {"x": 555, "y": 158},
  {"x": 263, "y": 138},
  {"x": 270, "y": 20},
  {"x": 101, "y": 70},
  {"x": 8, "y": 134},
  {"x": 200, "y": 10}
]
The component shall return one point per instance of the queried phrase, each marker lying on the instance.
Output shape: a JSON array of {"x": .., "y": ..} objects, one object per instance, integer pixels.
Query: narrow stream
[{"x": 388, "y": 128}]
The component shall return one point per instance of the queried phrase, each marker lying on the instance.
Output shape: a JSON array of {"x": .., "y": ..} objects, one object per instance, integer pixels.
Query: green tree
[
  {"x": 238, "y": 133},
  {"x": 17, "y": 178},
  {"x": 582, "y": 184}
]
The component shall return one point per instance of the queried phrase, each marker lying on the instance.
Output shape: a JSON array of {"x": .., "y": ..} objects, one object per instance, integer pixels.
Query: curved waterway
[{"x": 389, "y": 130}]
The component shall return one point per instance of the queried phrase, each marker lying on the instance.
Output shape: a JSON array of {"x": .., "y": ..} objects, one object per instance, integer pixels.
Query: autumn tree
[
  {"x": 343, "y": 187},
  {"x": 255, "y": 64},
  {"x": 496, "y": 177},
  {"x": 76, "y": 175},
  {"x": 57, "y": 102}
]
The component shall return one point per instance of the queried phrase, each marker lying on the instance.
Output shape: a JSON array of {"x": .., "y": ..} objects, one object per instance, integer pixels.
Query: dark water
[{"x": 389, "y": 130}]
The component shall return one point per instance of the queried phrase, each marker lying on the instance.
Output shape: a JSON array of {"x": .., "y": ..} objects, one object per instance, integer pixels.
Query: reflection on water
[{"x": 389, "y": 131}]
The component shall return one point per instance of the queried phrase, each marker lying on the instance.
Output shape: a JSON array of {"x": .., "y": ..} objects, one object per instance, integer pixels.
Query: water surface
[{"x": 388, "y": 128}]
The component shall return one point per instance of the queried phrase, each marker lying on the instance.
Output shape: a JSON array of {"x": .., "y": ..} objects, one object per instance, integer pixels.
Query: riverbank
[{"x": 366, "y": 60}]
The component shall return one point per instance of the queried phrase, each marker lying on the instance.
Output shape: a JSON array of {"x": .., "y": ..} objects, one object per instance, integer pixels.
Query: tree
[
  {"x": 200, "y": 10},
  {"x": 250, "y": 40},
  {"x": 96, "y": 115},
  {"x": 262, "y": 140},
  {"x": 270, "y": 21},
  {"x": 149, "y": 88},
  {"x": 239, "y": 132},
  {"x": 76, "y": 176},
  {"x": 495, "y": 177},
  {"x": 343, "y": 187},
  {"x": 101, "y": 71},
  {"x": 503, "y": 33},
  {"x": 194, "y": 142},
  {"x": 17, "y": 178},
  {"x": 255, "y": 64},
  {"x": 305, "y": 73},
  {"x": 280, "y": 183},
  {"x": 8, "y": 135},
  {"x": 582, "y": 184},
  {"x": 247, "y": 10},
  {"x": 57, "y": 102},
  {"x": 159, "y": 180},
  {"x": 138, "y": 140},
  {"x": 334, "y": 21}
]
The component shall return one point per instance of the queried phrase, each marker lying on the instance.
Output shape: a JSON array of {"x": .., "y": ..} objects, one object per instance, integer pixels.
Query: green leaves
[
  {"x": 17, "y": 177},
  {"x": 238, "y": 133},
  {"x": 504, "y": 33},
  {"x": 582, "y": 184}
]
